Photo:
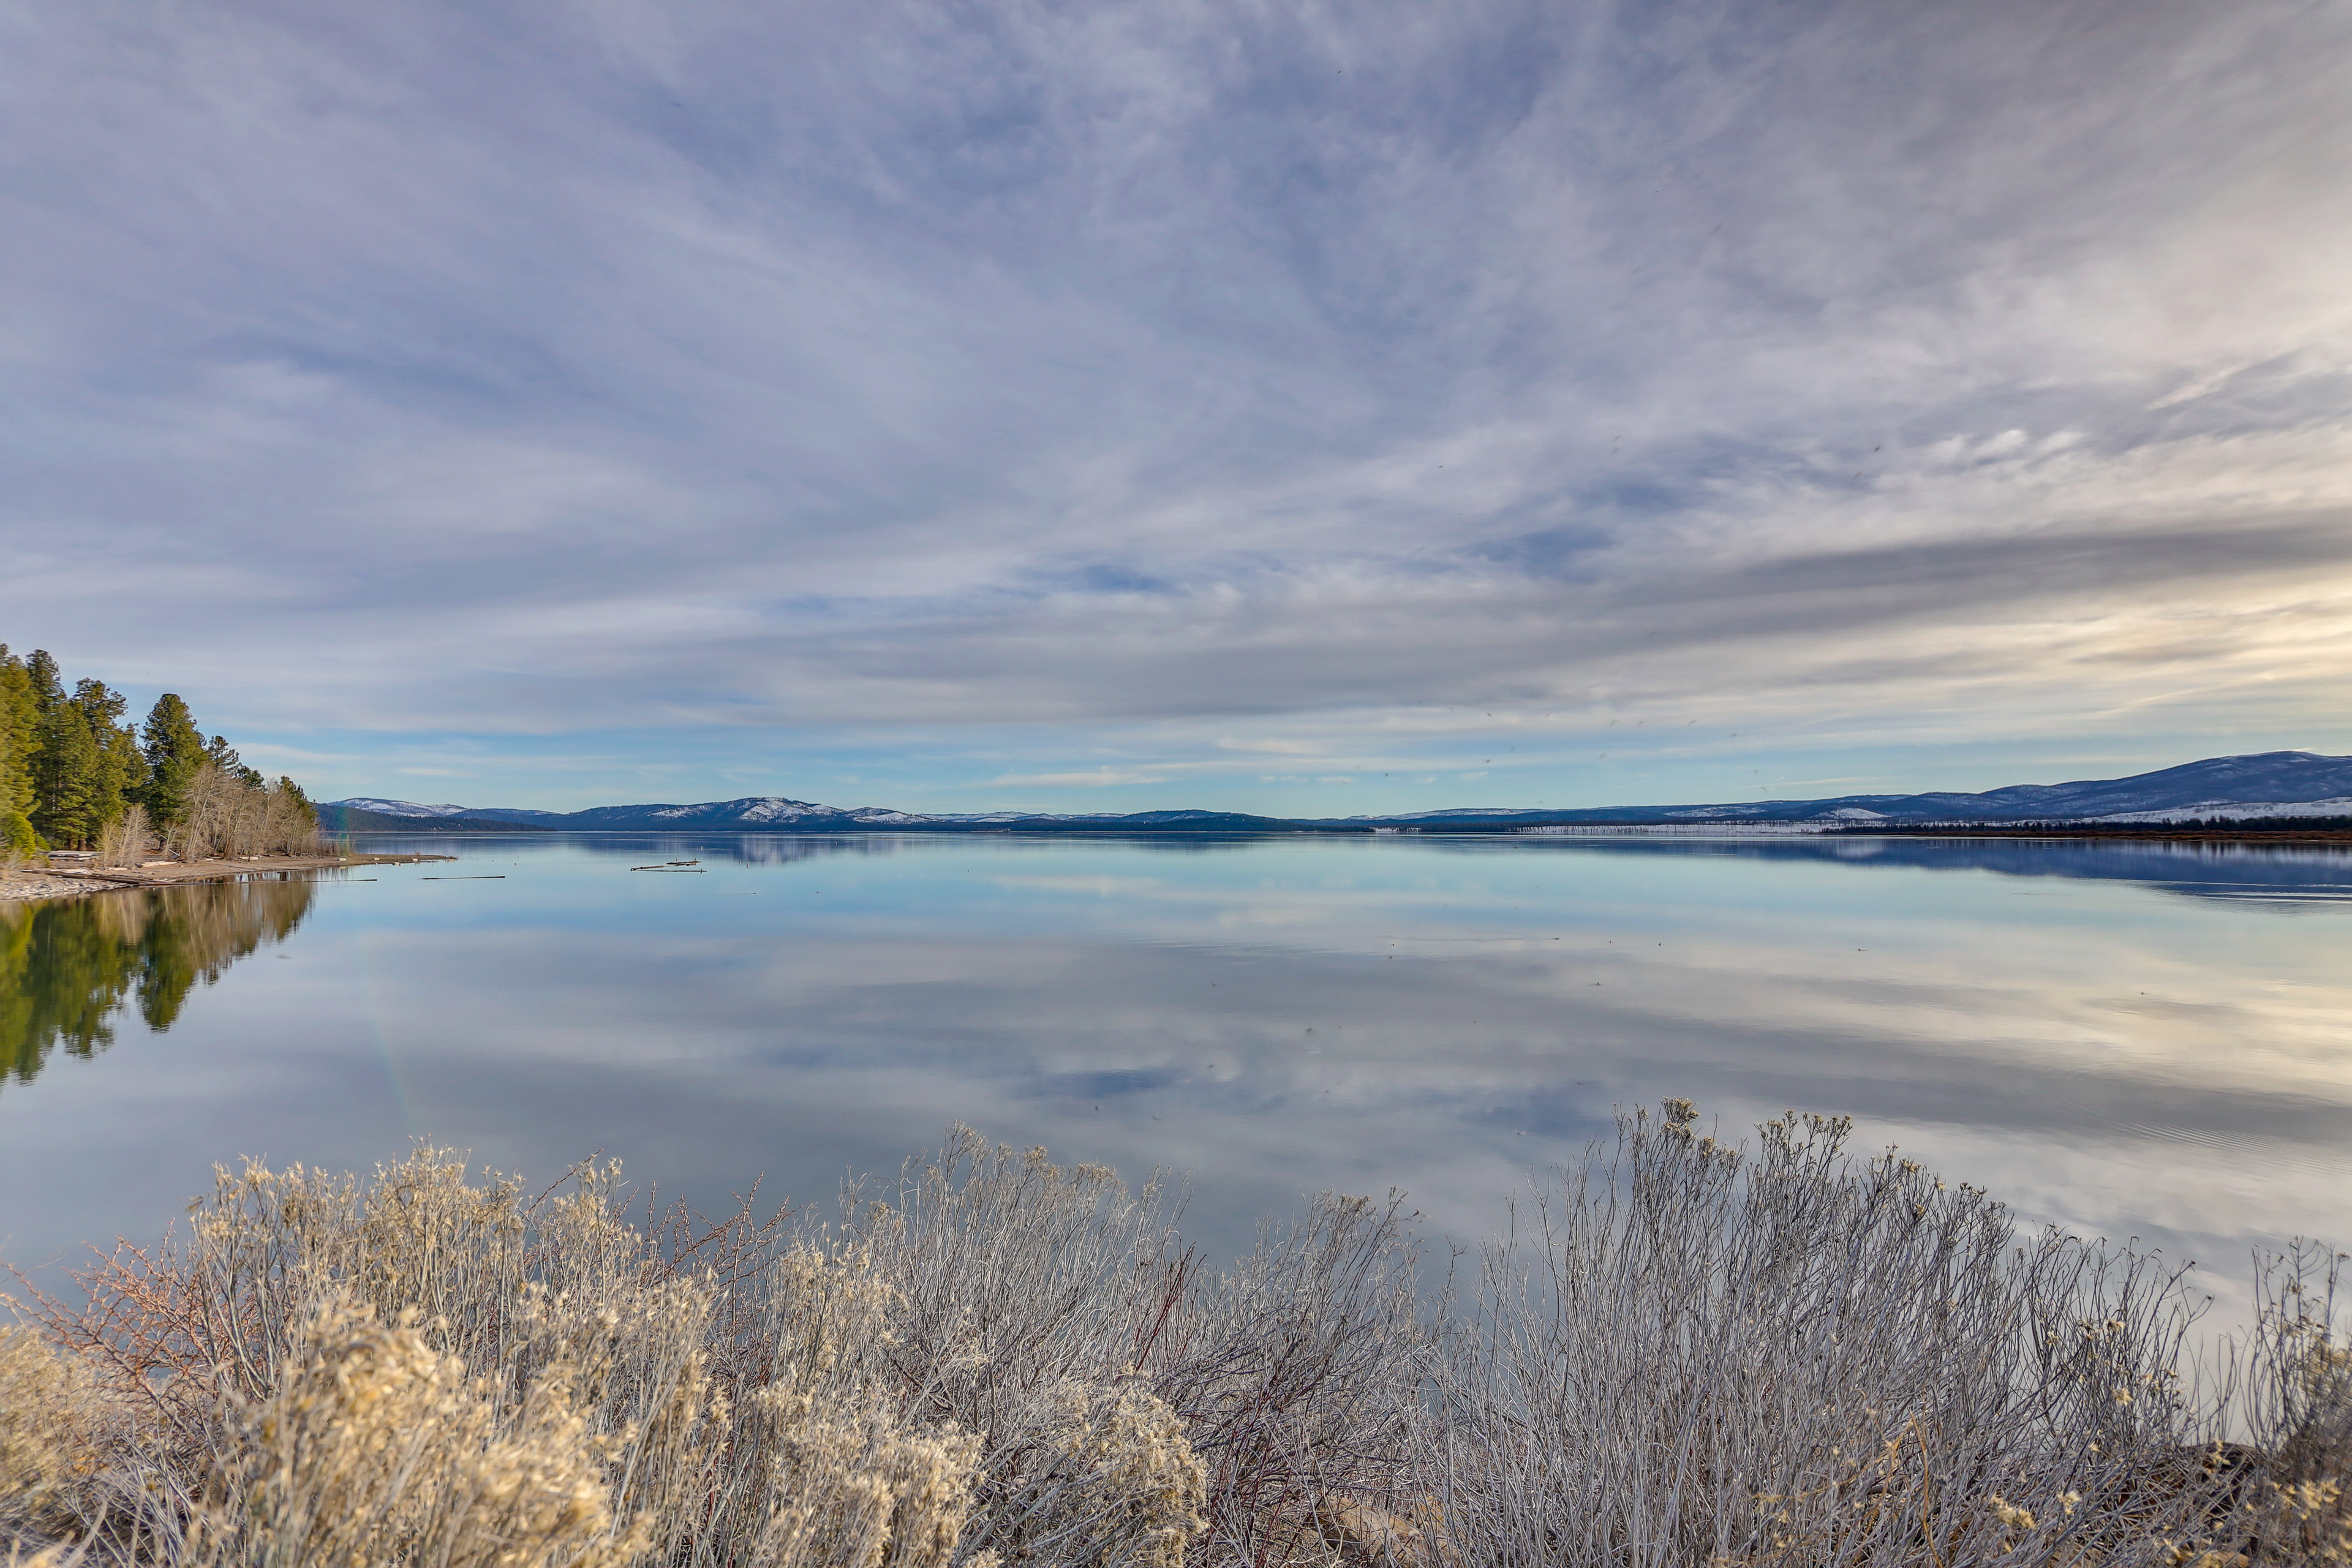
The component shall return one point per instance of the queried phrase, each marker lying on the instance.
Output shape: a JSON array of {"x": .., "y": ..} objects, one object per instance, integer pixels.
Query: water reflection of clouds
[
  {"x": 1099, "y": 887},
  {"x": 1423, "y": 1064},
  {"x": 2290, "y": 874},
  {"x": 1300, "y": 1016},
  {"x": 2295, "y": 875}
]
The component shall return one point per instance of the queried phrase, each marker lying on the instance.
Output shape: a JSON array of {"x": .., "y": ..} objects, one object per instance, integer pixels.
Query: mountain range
[{"x": 2264, "y": 785}]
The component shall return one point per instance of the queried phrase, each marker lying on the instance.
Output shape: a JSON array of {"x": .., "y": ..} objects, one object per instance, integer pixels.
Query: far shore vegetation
[
  {"x": 76, "y": 774},
  {"x": 2225, "y": 829},
  {"x": 1686, "y": 1353}
]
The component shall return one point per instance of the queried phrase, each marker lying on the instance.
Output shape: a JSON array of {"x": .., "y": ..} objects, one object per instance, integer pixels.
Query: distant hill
[
  {"x": 2267, "y": 784},
  {"x": 2270, "y": 784},
  {"x": 343, "y": 817}
]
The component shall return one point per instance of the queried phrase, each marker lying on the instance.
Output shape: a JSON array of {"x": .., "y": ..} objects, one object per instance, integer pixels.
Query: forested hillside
[{"x": 75, "y": 774}]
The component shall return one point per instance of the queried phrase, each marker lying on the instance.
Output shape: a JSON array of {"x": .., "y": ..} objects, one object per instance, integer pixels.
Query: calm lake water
[{"x": 2131, "y": 1039}]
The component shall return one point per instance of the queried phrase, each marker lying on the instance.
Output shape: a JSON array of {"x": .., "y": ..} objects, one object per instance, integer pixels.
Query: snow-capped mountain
[
  {"x": 770, "y": 811},
  {"x": 402, "y": 807},
  {"x": 2270, "y": 783},
  {"x": 336, "y": 813}
]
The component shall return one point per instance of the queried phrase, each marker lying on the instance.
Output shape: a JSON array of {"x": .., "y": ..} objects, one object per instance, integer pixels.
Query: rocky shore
[{"x": 64, "y": 877}]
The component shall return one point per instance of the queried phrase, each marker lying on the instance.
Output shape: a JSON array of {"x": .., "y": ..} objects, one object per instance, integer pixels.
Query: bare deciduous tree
[{"x": 229, "y": 818}]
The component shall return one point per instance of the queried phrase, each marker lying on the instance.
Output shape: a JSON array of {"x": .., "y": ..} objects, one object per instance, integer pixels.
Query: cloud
[
  {"x": 1099, "y": 779},
  {"x": 1138, "y": 376},
  {"x": 1268, "y": 747}
]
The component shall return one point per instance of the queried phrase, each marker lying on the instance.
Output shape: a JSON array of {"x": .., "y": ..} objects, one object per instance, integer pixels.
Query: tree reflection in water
[{"x": 67, "y": 967}]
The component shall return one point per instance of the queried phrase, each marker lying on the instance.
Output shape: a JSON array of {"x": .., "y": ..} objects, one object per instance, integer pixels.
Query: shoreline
[
  {"x": 1547, "y": 830},
  {"x": 26, "y": 884},
  {"x": 2128, "y": 832}
]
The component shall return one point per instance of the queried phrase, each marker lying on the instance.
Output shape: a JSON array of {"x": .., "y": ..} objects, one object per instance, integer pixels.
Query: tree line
[{"x": 75, "y": 774}]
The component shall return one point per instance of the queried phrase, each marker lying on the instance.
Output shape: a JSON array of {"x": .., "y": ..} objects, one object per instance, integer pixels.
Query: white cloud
[{"x": 1098, "y": 779}]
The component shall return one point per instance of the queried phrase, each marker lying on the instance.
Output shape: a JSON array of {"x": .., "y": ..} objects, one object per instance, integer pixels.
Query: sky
[{"x": 1295, "y": 408}]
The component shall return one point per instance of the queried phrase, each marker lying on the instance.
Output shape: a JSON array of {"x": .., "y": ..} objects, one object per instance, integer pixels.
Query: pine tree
[
  {"x": 174, "y": 750},
  {"x": 65, "y": 804},
  {"x": 125, "y": 770},
  {"x": 294, "y": 793},
  {"x": 47, "y": 693},
  {"x": 48, "y": 685},
  {"x": 120, "y": 770},
  {"x": 223, "y": 755},
  {"x": 19, "y": 719}
]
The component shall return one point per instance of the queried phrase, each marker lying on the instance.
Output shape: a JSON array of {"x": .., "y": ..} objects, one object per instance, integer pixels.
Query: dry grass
[{"x": 1694, "y": 1355}]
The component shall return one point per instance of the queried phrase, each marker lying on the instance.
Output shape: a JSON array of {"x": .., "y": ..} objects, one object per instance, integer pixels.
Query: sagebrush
[{"x": 1684, "y": 1353}]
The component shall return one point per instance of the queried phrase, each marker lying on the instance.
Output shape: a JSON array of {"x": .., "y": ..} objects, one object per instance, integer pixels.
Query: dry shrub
[
  {"x": 851, "y": 1487},
  {"x": 2304, "y": 1372},
  {"x": 507, "y": 1286},
  {"x": 57, "y": 1555},
  {"x": 421, "y": 1368},
  {"x": 1697, "y": 1356},
  {"x": 1290, "y": 1377},
  {"x": 1139, "y": 1485},
  {"x": 2290, "y": 1489},
  {"x": 375, "y": 1448},
  {"x": 1301, "y": 1373},
  {"x": 808, "y": 1460},
  {"x": 49, "y": 1439}
]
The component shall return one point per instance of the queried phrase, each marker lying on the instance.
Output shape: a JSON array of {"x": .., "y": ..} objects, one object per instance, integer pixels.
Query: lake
[{"x": 2131, "y": 1039}]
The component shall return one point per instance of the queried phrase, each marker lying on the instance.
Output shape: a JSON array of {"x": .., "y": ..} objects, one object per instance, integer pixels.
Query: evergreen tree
[
  {"x": 46, "y": 692},
  {"x": 294, "y": 793},
  {"x": 223, "y": 755},
  {"x": 48, "y": 685},
  {"x": 174, "y": 750},
  {"x": 65, "y": 804},
  {"x": 125, "y": 770},
  {"x": 19, "y": 739},
  {"x": 120, "y": 770}
]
